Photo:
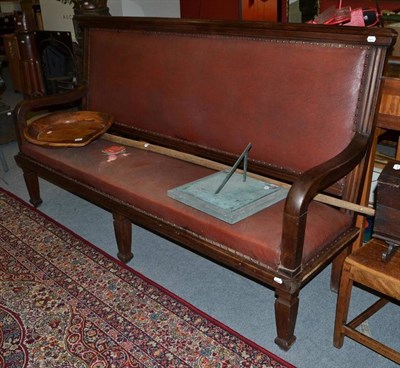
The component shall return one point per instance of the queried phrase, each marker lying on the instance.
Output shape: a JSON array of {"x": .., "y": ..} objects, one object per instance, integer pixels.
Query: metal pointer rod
[{"x": 244, "y": 156}]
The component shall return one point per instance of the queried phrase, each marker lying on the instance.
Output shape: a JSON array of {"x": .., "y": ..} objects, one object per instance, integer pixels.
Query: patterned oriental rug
[{"x": 65, "y": 303}]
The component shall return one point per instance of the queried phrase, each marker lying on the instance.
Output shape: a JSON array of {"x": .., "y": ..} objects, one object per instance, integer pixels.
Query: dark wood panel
[
  {"x": 260, "y": 10},
  {"x": 210, "y": 9},
  {"x": 267, "y": 10}
]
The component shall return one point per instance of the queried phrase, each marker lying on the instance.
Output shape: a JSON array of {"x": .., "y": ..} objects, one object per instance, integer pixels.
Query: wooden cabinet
[
  {"x": 267, "y": 10},
  {"x": 23, "y": 60},
  {"x": 210, "y": 9},
  {"x": 14, "y": 60},
  {"x": 261, "y": 10},
  {"x": 387, "y": 214}
]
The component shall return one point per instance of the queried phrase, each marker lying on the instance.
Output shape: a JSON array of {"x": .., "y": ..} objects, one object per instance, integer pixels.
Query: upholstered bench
[{"x": 303, "y": 95}]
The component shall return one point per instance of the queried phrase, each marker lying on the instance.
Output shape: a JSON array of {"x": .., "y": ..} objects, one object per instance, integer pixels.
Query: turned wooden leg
[
  {"x": 342, "y": 307},
  {"x": 337, "y": 266},
  {"x": 32, "y": 184},
  {"x": 286, "y": 308},
  {"x": 123, "y": 235}
]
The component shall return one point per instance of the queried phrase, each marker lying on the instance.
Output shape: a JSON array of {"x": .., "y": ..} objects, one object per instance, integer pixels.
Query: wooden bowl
[{"x": 68, "y": 129}]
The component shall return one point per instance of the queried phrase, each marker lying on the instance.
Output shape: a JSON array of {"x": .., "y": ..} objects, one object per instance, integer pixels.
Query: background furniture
[
  {"x": 269, "y": 10},
  {"x": 388, "y": 118},
  {"x": 365, "y": 266},
  {"x": 55, "y": 50},
  {"x": 23, "y": 58},
  {"x": 7, "y": 133},
  {"x": 376, "y": 265},
  {"x": 14, "y": 60}
]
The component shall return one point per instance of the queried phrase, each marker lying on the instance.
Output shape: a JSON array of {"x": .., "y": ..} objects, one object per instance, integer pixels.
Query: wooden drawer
[{"x": 387, "y": 215}]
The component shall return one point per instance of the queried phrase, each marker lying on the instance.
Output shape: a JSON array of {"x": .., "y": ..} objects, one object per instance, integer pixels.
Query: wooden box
[{"x": 387, "y": 215}]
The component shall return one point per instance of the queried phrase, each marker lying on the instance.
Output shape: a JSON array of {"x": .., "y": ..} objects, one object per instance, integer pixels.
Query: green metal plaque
[{"x": 237, "y": 200}]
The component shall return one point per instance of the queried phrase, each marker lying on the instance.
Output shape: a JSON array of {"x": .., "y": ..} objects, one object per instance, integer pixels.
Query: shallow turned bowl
[{"x": 68, "y": 129}]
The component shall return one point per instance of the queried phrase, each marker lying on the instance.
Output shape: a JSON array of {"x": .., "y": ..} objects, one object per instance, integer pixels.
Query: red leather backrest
[{"x": 297, "y": 102}]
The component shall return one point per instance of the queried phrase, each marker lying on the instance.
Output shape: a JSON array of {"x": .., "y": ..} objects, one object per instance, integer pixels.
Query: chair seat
[{"x": 366, "y": 267}]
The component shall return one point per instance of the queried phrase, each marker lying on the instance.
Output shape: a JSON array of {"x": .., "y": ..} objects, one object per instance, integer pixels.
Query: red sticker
[{"x": 114, "y": 150}]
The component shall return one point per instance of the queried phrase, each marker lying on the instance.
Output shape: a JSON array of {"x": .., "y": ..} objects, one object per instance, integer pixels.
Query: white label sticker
[
  {"x": 371, "y": 39},
  {"x": 278, "y": 280},
  {"x": 396, "y": 167}
]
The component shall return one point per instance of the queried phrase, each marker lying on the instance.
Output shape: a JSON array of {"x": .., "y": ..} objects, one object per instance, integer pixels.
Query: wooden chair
[
  {"x": 365, "y": 266},
  {"x": 387, "y": 118},
  {"x": 389, "y": 108}
]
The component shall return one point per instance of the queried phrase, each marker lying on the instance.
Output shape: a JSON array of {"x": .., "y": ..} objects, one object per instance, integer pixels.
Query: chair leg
[
  {"x": 398, "y": 149},
  {"x": 337, "y": 266},
  {"x": 3, "y": 161},
  {"x": 342, "y": 307},
  {"x": 32, "y": 184},
  {"x": 123, "y": 235},
  {"x": 286, "y": 308}
]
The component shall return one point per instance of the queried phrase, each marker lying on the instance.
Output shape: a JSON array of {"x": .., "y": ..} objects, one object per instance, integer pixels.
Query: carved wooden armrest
[
  {"x": 37, "y": 103},
  {"x": 42, "y": 102},
  {"x": 304, "y": 189}
]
